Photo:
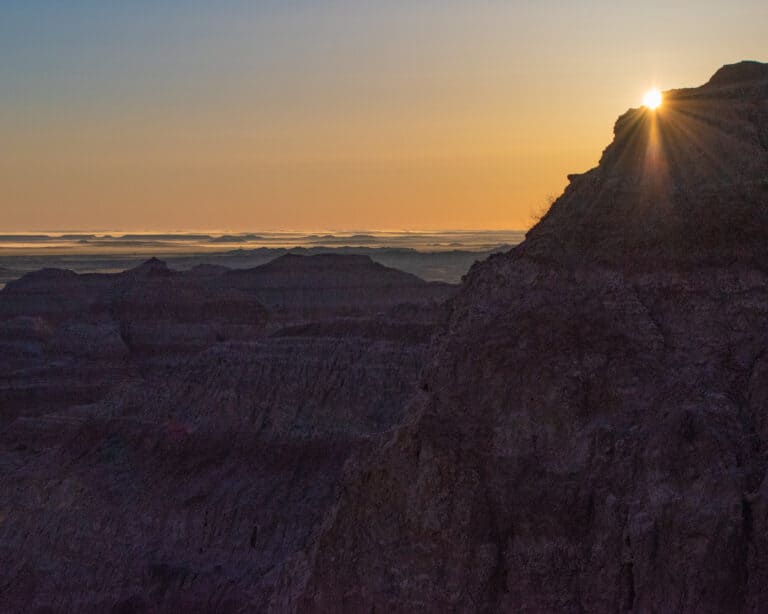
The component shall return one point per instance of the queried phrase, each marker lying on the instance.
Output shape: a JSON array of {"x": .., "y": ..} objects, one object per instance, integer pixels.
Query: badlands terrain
[{"x": 581, "y": 426}]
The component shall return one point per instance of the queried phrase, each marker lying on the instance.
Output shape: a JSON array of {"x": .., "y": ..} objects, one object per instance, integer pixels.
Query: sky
[{"x": 305, "y": 114}]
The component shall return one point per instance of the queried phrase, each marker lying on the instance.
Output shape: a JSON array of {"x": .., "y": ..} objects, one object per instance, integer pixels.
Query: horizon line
[{"x": 252, "y": 231}]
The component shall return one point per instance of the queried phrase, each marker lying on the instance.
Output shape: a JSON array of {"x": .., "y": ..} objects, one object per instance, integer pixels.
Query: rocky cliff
[{"x": 591, "y": 434}]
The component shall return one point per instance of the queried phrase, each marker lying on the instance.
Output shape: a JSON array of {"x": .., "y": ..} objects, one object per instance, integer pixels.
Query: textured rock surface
[
  {"x": 591, "y": 434},
  {"x": 171, "y": 444},
  {"x": 68, "y": 338}
]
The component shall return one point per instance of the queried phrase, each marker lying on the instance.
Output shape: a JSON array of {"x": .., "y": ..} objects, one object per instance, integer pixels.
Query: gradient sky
[{"x": 298, "y": 114}]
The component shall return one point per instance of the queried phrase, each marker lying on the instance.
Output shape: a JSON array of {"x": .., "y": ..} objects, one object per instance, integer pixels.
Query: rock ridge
[{"x": 591, "y": 433}]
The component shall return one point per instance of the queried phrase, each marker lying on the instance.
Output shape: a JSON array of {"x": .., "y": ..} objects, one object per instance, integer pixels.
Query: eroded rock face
[
  {"x": 129, "y": 516},
  {"x": 70, "y": 338},
  {"x": 591, "y": 434},
  {"x": 171, "y": 444}
]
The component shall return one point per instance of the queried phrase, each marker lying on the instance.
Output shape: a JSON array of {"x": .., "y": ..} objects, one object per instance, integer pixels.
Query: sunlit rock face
[{"x": 591, "y": 433}]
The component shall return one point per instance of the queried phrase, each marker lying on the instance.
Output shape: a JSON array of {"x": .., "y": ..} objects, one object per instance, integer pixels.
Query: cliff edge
[{"x": 591, "y": 433}]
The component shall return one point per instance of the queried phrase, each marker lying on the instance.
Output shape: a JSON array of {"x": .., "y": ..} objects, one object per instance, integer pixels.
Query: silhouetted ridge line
[
  {"x": 685, "y": 183},
  {"x": 742, "y": 72}
]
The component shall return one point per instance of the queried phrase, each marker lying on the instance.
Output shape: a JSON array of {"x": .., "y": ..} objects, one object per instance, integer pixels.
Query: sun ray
[{"x": 652, "y": 99}]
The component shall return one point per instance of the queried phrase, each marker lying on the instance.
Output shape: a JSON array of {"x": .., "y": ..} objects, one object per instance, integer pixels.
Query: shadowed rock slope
[
  {"x": 170, "y": 442},
  {"x": 591, "y": 433}
]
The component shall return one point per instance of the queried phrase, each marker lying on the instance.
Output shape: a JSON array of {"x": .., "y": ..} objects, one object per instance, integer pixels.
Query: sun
[{"x": 652, "y": 99}]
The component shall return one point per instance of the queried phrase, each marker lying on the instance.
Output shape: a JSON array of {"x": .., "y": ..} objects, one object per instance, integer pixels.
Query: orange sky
[{"x": 338, "y": 115}]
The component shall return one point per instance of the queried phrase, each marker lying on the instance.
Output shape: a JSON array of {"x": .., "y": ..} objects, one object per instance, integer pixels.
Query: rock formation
[
  {"x": 170, "y": 441},
  {"x": 330, "y": 285},
  {"x": 591, "y": 434}
]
